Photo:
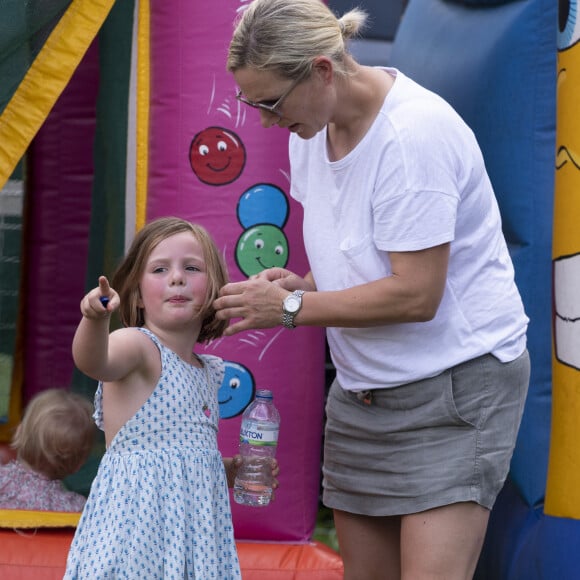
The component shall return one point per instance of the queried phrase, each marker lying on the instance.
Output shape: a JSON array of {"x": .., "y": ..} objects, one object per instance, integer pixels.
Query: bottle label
[{"x": 252, "y": 434}]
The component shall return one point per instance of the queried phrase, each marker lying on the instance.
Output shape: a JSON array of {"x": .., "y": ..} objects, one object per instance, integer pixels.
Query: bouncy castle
[{"x": 113, "y": 113}]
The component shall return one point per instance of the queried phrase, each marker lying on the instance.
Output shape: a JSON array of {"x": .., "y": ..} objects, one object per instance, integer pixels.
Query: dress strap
[{"x": 151, "y": 335}]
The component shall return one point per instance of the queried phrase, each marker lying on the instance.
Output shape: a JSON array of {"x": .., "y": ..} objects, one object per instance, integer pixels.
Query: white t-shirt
[{"x": 416, "y": 180}]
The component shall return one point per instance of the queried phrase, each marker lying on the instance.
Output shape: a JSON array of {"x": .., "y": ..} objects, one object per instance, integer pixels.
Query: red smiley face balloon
[{"x": 217, "y": 156}]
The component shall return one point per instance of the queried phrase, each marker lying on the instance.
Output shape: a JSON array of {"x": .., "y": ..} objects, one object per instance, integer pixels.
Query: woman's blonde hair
[
  {"x": 127, "y": 277},
  {"x": 284, "y": 36},
  {"x": 56, "y": 433}
]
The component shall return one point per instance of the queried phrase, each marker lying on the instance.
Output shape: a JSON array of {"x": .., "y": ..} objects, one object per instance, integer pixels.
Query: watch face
[{"x": 291, "y": 303}]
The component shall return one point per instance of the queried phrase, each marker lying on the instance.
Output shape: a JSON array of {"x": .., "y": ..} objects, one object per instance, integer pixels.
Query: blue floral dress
[{"x": 159, "y": 505}]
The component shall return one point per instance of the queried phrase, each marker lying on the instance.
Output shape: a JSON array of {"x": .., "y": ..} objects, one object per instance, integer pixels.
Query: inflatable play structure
[{"x": 122, "y": 111}]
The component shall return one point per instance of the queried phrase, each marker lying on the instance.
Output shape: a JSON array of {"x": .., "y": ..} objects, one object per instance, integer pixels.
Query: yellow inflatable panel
[{"x": 563, "y": 483}]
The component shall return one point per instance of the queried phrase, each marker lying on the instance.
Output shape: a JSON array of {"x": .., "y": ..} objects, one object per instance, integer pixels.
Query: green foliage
[{"x": 324, "y": 531}]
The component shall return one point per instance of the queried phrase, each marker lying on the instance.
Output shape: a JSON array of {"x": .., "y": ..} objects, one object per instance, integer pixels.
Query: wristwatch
[{"x": 291, "y": 307}]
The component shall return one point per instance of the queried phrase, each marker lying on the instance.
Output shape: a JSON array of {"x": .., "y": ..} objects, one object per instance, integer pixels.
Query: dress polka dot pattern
[{"x": 159, "y": 506}]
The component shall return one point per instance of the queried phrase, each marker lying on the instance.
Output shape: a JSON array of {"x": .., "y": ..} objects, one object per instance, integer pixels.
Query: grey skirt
[{"x": 426, "y": 444}]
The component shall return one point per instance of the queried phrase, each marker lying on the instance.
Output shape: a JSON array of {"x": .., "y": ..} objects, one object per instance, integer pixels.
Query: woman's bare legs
[
  {"x": 369, "y": 546},
  {"x": 439, "y": 544}
]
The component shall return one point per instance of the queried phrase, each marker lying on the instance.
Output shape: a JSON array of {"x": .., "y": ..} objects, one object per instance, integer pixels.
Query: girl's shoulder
[
  {"x": 139, "y": 345},
  {"x": 135, "y": 331},
  {"x": 134, "y": 339},
  {"x": 136, "y": 335}
]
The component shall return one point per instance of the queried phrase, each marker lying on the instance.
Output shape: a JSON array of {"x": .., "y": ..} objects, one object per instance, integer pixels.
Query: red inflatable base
[{"x": 40, "y": 554}]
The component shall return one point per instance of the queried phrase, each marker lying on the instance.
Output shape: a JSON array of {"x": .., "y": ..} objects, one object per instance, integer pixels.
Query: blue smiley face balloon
[
  {"x": 236, "y": 391},
  {"x": 263, "y": 203}
]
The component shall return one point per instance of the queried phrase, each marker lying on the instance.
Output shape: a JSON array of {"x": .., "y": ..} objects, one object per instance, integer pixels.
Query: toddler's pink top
[{"x": 24, "y": 489}]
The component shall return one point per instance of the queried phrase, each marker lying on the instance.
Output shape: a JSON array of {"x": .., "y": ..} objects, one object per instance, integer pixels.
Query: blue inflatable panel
[
  {"x": 511, "y": 524},
  {"x": 524, "y": 544}
]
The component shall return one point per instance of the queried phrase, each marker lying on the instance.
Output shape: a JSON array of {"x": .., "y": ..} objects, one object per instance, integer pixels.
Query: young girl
[
  {"x": 159, "y": 505},
  {"x": 53, "y": 440}
]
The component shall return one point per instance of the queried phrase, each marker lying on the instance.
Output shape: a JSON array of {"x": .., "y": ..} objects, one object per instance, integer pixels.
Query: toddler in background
[{"x": 53, "y": 441}]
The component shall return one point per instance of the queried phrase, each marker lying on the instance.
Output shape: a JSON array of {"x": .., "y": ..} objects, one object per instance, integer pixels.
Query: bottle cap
[{"x": 264, "y": 394}]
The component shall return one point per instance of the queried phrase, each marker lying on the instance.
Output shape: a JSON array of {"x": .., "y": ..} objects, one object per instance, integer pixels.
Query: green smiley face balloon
[{"x": 261, "y": 247}]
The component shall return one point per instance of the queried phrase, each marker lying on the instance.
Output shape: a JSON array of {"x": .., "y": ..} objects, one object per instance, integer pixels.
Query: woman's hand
[
  {"x": 283, "y": 278},
  {"x": 257, "y": 302}
]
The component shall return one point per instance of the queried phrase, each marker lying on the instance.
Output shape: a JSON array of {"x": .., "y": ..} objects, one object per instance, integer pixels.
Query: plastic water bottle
[{"x": 258, "y": 442}]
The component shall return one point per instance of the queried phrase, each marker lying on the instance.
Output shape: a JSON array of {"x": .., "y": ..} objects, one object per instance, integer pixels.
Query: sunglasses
[{"x": 273, "y": 106}]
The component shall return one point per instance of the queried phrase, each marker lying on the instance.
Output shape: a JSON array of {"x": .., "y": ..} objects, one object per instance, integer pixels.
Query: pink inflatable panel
[
  {"x": 59, "y": 189},
  {"x": 211, "y": 162}
]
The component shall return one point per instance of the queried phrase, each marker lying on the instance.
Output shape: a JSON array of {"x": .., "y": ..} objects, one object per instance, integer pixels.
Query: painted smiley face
[
  {"x": 236, "y": 391},
  {"x": 217, "y": 156},
  {"x": 261, "y": 247}
]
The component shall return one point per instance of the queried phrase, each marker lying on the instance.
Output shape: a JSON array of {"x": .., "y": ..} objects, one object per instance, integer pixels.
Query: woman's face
[{"x": 301, "y": 107}]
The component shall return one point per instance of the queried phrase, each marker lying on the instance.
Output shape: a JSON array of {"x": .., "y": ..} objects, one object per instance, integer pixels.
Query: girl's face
[
  {"x": 304, "y": 108},
  {"x": 174, "y": 282}
]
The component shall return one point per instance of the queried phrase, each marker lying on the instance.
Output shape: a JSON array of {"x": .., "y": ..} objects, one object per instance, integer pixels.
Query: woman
[{"x": 410, "y": 274}]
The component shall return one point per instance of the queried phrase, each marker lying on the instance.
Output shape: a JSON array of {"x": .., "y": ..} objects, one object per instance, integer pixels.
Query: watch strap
[{"x": 288, "y": 317}]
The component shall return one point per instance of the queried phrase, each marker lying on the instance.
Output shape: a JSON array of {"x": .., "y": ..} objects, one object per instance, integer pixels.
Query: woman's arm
[{"x": 411, "y": 294}]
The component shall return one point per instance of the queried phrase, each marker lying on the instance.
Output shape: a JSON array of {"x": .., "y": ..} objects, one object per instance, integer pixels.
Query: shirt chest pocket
[{"x": 363, "y": 261}]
